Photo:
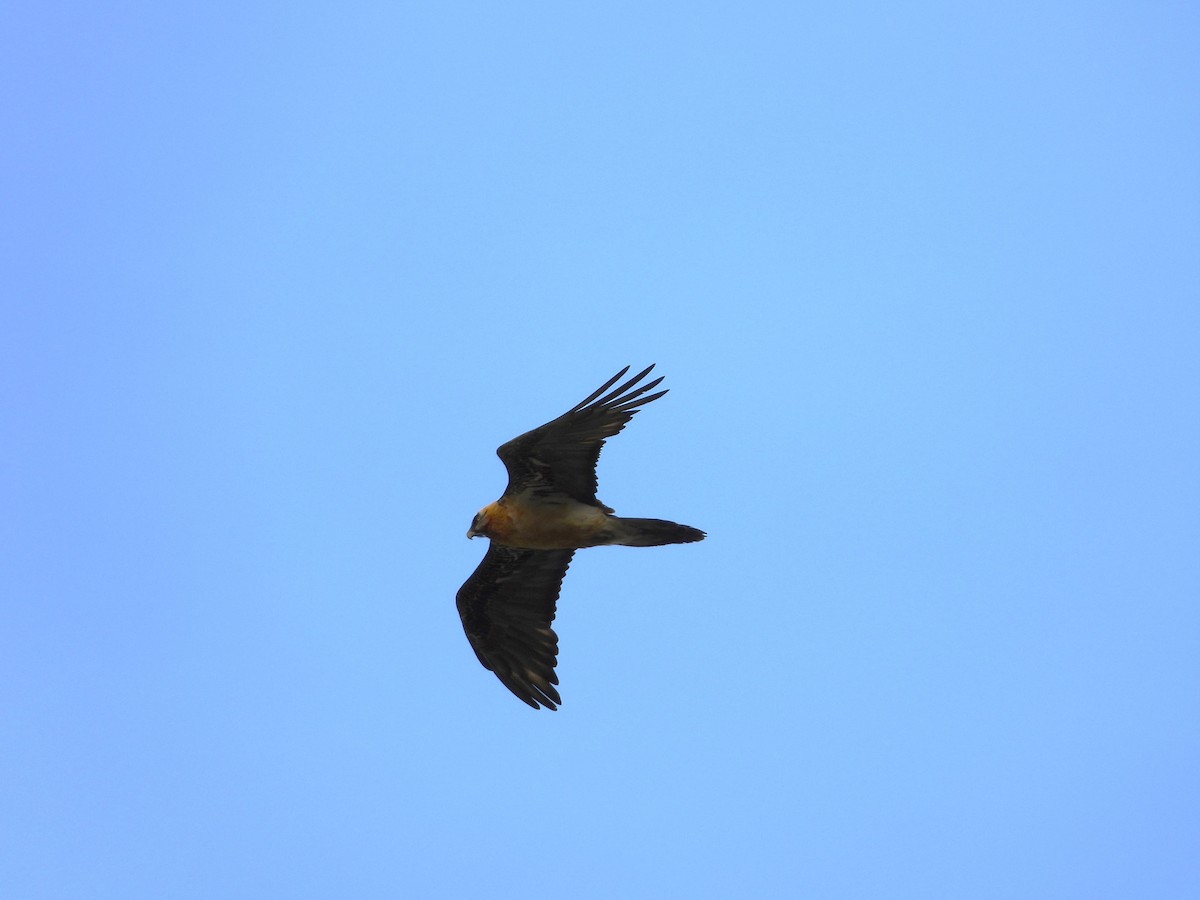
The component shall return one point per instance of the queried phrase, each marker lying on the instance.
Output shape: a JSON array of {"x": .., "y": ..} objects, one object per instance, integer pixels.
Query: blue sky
[{"x": 924, "y": 284}]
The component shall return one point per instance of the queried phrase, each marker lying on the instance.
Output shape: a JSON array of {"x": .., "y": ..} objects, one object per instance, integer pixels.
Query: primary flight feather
[{"x": 548, "y": 511}]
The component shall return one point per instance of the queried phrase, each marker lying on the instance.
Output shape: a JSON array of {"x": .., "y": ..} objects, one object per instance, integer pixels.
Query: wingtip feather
[{"x": 600, "y": 390}]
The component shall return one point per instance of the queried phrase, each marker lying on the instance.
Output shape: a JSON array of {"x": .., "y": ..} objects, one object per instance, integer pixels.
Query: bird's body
[
  {"x": 548, "y": 511},
  {"x": 541, "y": 523}
]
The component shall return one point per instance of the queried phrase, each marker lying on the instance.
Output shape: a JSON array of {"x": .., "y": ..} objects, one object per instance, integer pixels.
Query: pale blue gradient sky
[{"x": 925, "y": 283}]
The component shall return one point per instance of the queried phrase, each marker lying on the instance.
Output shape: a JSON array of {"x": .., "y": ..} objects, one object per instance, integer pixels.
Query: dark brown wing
[
  {"x": 562, "y": 454},
  {"x": 506, "y": 607}
]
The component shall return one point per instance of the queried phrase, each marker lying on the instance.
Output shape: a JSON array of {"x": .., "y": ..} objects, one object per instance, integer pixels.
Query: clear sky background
[{"x": 925, "y": 284}]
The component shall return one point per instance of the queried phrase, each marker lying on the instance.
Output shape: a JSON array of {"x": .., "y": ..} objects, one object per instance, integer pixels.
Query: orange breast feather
[{"x": 549, "y": 526}]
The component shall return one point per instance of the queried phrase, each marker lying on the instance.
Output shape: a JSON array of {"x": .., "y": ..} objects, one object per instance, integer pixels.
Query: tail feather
[{"x": 653, "y": 532}]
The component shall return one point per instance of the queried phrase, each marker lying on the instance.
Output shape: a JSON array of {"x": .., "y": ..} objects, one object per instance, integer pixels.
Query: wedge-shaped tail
[{"x": 652, "y": 532}]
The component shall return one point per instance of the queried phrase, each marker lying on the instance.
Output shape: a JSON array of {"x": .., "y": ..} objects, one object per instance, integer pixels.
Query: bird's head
[{"x": 479, "y": 524}]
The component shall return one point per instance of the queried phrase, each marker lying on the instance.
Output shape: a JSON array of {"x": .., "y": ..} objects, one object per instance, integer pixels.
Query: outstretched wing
[
  {"x": 562, "y": 454},
  {"x": 507, "y": 606}
]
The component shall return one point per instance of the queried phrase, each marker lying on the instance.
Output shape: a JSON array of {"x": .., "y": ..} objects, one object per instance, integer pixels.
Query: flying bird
[{"x": 548, "y": 511}]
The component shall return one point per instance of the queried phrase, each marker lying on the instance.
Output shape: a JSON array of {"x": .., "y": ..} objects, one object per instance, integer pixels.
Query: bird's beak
[{"x": 477, "y": 526}]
